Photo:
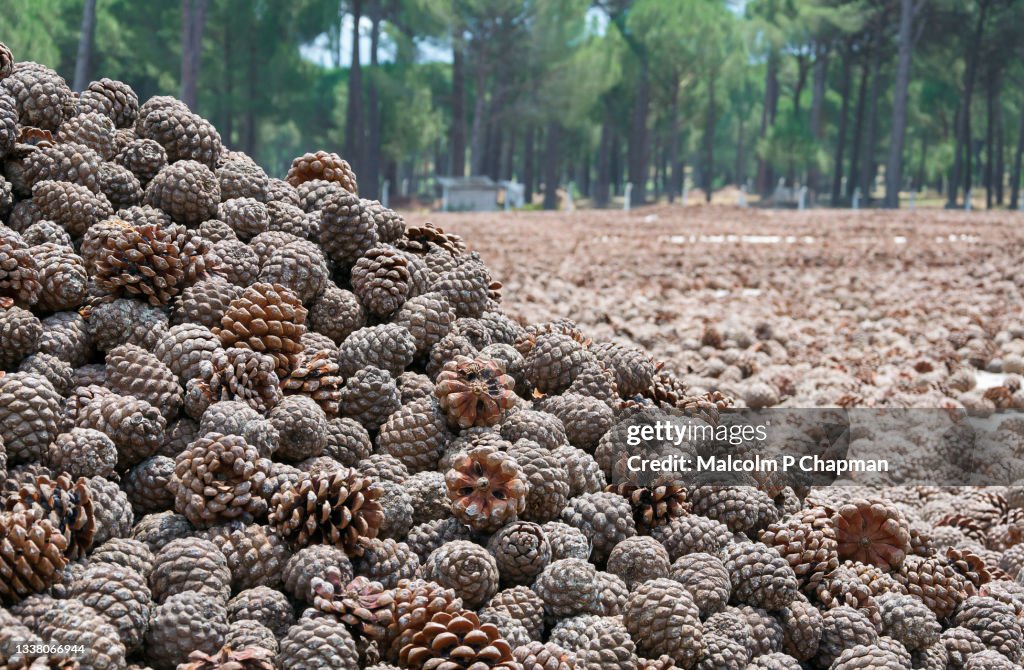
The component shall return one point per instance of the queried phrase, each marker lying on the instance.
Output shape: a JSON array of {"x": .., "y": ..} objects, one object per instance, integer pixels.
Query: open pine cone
[
  {"x": 322, "y": 165},
  {"x": 487, "y": 488},
  {"x": 362, "y": 605},
  {"x": 461, "y": 641},
  {"x": 316, "y": 376},
  {"x": 218, "y": 478},
  {"x": 872, "y": 532},
  {"x": 653, "y": 506},
  {"x": 66, "y": 504},
  {"x": 337, "y": 508},
  {"x": 267, "y": 318},
  {"x": 250, "y": 658},
  {"x": 474, "y": 391},
  {"x": 31, "y": 555}
]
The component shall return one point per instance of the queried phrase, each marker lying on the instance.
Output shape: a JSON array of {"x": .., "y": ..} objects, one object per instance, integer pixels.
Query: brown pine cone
[
  {"x": 415, "y": 603},
  {"x": 807, "y": 540},
  {"x": 474, "y": 392},
  {"x": 90, "y": 129},
  {"x": 337, "y": 509},
  {"x": 638, "y": 559},
  {"x": 416, "y": 435},
  {"x": 706, "y": 578},
  {"x": 75, "y": 623},
  {"x": 907, "y": 620},
  {"x": 118, "y": 593},
  {"x": 544, "y": 656},
  {"x": 113, "y": 98},
  {"x": 386, "y": 561},
  {"x": 653, "y": 506},
  {"x": 843, "y": 628},
  {"x": 31, "y": 555},
  {"x": 936, "y": 582},
  {"x": 547, "y": 477},
  {"x": 183, "y": 623},
  {"x": 144, "y": 158},
  {"x": 205, "y": 302},
  {"x": 146, "y": 262},
  {"x": 74, "y": 207},
  {"x": 133, "y": 371},
  {"x": 553, "y": 361},
  {"x": 428, "y": 317},
  {"x": 662, "y": 618},
  {"x": 19, "y": 273},
  {"x": 995, "y": 623},
  {"x": 364, "y": 606},
  {"x": 135, "y": 426},
  {"x": 62, "y": 277},
  {"x": 335, "y": 313},
  {"x": 190, "y": 564},
  {"x": 40, "y": 95},
  {"x": 460, "y": 640},
  {"x": 184, "y": 348},
  {"x": 521, "y": 551},
  {"x": 370, "y": 396},
  {"x": 429, "y": 535},
  {"x": 301, "y": 427},
  {"x": 380, "y": 278},
  {"x": 83, "y": 452},
  {"x": 322, "y": 165},
  {"x": 249, "y": 658},
  {"x": 256, "y": 555},
  {"x": 234, "y": 374},
  {"x": 217, "y": 479},
  {"x": 186, "y": 190},
  {"x": 299, "y": 266},
  {"x": 387, "y": 346},
  {"x": 317, "y": 378},
  {"x": 184, "y": 135},
  {"x": 465, "y": 567},
  {"x": 741, "y": 508},
  {"x": 873, "y": 532},
  {"x": 20, "y": 332},
  {"x": 759, "y": 576},
  {"x": 267, "y": 318},
  {"x": 487, "y": 488},
  {"x": 67, "y": 504},
  {"x": 346, "y": 230},
  {"x": 159, "y": 529},
  {"x": 606, "y": 518},
  {"x": 264, "y": 605},
  {"x": 240, "y": 178},
  {"x": 568, "y": 587},
  {"x": 126, "y": 553}
]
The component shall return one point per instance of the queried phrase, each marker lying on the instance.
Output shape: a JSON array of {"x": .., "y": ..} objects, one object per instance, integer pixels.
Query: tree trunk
[
  {"x": 844, "y": 114},
  {"x": 867, "y": 165},
  {"x": 551, "y": 165},
  {"x": 617, "y": 165},
  {"x": 369, "y": 178},
  {"x": 249, "y": 130},
  {"x": 354, "y": 112},
  {"x": 739, "y": 169},
  {"x": 1018, "y": 163},
  {"x": 709, "y": 142},
  {"x": 478, "y": 135},
  {"x": 193, "y": 18},
  {"x": 86, "y": 38},
  {"x": 919, "y": 180},
  {"x": 858, "y": 127},
  {"x": 962, "y": 144},
  {"x": 227, "y": 97},
  {"x": 508, "y": 152},
  {"x": 604, "y": 165},
  {"x": 894, "y": 166},
  {"x": 990, "y": 123},
  {"x": 1000, "y": 156},
  {"x": 637, "y": 150},
  {"x": 798, "y": 88},
  {"x": 765, "y": 175},
  {"x": 457, "y": 133},
  {"x": 817, "y": 104},
  {"x": 529, "y": 144},
  {"x": 674, "y": 186}
]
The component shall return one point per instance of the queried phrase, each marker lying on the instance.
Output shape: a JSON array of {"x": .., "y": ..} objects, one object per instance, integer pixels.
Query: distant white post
[
  {"x": 569, "y": 205},
  {"x": 384, "y": 192},
  {"x": 802, "y": 199},
  {"x": 742, "y": 202},
  {"x": 686, "y": 192},
  {"x": 627, "y": 193},
  {"x": 405, "y": 187},
  {"x": 444, "y": 198},
  {"x": 856, "y": 198},
  {"x": 968, "y": 204}
]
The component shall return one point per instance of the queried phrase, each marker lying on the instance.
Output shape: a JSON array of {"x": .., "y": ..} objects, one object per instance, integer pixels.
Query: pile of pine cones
[{"x": 252, "y": 423}]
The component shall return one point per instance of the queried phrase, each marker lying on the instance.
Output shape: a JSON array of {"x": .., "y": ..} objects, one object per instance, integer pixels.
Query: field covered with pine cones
[
  {"x": 258, "y": 423},
  {"x": 803, "y": 309}
]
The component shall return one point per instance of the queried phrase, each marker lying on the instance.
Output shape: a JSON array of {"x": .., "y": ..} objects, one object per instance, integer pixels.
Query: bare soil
[{"x": 870, "y": 307}]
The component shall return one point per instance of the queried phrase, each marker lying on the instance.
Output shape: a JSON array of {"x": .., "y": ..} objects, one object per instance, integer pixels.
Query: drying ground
[{"x": 869, "y": 307}]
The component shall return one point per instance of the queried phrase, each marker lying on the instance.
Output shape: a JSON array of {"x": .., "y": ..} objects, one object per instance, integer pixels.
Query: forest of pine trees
[{"x": 884, "y": 96}]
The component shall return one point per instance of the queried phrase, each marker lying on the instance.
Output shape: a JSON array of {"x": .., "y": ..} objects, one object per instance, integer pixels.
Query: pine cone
[
  {"x": 266, "y": 318},
  {"x": 547, "y": 477},
  {"x": 183, "y": 135},
  {"x": 807, "y": 540},
  {"x": 249, "y": 658},
  {"x": 416, "y": 602},
  {"x": 474, "y": 392},
  {"x": 74, "y": 207},
  {"x": 90, "y": 129},
  {"x": 487, "y": 488},
  {"x": 606, "y": 518},
  {"x": 83, "y": 452},
  {"x": 387, "y": 346},
  {"x": 184, "y": 623},
  {"x": 322, "y": 165},
  {"x": 428, "y": 317},
  {"x": 256, "y": 556},
  {"x": 335, "y": 313},
  {"x": 317, "y": 378},
  {"x": 135, "y": 426},
  {"x": 337, "y": 509},
  {"x": 31, "y": 555},
  {"x": 119, "y": 594},
  {"x": 653, "y": 506},
  {"x": 40, "y": 95},
  {"x": 66, "y": 504},
  {"x": 243, "y": 179},
  {"x": 521, "y": 551},
  {"x": 873, "y": 532},
  {"x": 143, "y": 158},
  {"x": 266, "y": 606},
  {"x": 217, "y": 479},
  {"x": 114, "y": 98},
  {"x": 62, "y": 277},
  {"x": 553, "y": 362},
  {"x": 460, "y": 640},
  {"x": 19, "y": 273},
  {"x": 299, "y": 266},
  {"x": 663, "y": 619},
  {"x": 186, "y": 190},
  {"x": 317, "y": 643},
  {"x": 234, "y": 374},
  {"x": 248, "y": 217},
  {"x": 370, "y": 396},
  {"x": 346, "y": 230},
  {"x": 362, "y": 605},
  {"x": 381, "y": 280}
]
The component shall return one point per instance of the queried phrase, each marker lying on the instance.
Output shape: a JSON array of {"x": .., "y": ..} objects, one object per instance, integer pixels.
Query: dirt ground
[{"x": 869, "y": 307}]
